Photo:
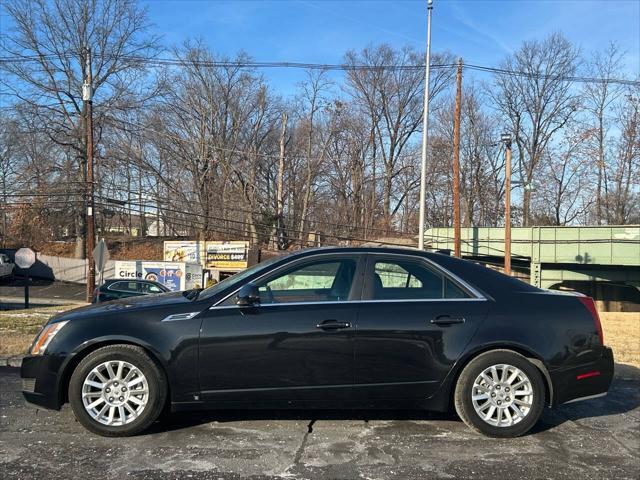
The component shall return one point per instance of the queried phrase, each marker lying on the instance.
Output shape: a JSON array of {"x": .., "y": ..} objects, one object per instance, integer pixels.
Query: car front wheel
[
  {"x": 117, "y": 390},
  {"x": 500, "y": 394}
]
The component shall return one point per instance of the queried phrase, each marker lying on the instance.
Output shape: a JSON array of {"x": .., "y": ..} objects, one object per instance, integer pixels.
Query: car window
[
  {"x": 151, "y": 288},
  {"x": 236, "y": 279},
  {"x": 323, "y": 281},
  {"x": 407, "y": 280},
  {"x": 124, "y": 286}
]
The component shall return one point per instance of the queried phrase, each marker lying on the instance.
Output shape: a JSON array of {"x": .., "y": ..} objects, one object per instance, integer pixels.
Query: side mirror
[{"x": 248, "y": 296}]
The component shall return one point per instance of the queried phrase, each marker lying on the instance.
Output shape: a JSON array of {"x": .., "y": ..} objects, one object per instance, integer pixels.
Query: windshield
[{"x": 236, "y": 279}]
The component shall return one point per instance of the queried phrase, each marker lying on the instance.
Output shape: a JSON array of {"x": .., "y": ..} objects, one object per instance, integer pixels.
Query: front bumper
[
  {"x": 41, "y": 380},
  {"x": 585, "y": 381}
]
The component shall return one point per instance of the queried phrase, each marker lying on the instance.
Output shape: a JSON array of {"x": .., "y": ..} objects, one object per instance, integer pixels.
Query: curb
[{"x": 13, "y": 361}]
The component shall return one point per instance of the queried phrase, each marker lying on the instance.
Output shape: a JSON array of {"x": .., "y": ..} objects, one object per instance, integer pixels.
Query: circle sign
[{"x": 25, "y": 257}]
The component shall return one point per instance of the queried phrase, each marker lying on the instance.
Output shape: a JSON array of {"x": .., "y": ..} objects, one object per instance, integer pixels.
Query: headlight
[{"x": 44, "y": 339}]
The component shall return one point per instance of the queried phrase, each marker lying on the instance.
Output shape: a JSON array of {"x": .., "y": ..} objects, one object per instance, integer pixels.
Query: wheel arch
[
  {"x": 526, "y": 352},
  {"x": 85, "y": 350}
]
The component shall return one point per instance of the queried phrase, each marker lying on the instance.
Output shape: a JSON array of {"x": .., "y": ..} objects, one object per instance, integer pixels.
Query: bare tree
[
  {"x": 52, "y": 41},
  {"x": 390, "y": 92},
  {"x": 599, "y": 97},
  {"x": 536, "y": 102},
  {"x": 623, "y": 192}
]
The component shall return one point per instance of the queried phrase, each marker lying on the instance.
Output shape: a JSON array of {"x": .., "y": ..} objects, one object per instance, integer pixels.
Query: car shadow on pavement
[
  {"x": 181, "y": 420},
  {"x": 623, "y": 396}
]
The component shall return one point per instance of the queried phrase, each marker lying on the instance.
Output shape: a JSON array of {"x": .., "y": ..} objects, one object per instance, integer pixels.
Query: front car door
[
  {"x": 295, "y": 346},
  {"x": 414, "y": 322}
]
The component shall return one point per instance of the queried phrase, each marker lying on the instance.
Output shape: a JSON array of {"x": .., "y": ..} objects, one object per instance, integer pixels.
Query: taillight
[{"x": 591, "y": 306}]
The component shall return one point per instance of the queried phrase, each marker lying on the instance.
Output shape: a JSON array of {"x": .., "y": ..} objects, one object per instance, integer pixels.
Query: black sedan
[
  {"x": 117, "y": 288},
  {"x": 334, "y": 328}
]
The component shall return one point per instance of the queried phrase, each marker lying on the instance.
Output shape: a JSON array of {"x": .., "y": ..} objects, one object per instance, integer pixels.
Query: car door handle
[
  {"x": 333, "y": 325},
  {"x": 447, "y": 320}
]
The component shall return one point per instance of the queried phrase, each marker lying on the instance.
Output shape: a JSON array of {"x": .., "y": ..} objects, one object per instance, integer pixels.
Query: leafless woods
[{"x": 190, "y": 142}]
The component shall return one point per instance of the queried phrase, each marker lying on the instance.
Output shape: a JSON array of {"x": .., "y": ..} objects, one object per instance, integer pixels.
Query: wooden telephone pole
[
  {"x": 280, "y": 240},
  {"x": 87, "y": 97},
  {"x": 456, "y": 163}
]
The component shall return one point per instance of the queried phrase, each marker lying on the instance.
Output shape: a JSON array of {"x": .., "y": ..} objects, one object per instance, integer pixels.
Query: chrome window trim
[
  {"x": 350, "y": 302},
  {"x": 478, "y": 296}
]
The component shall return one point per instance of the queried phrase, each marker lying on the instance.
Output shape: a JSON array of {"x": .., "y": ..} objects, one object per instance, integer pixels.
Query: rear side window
[
  {"x": 407, "y": 280},
  {"x": 124, "y": 286},
  {"x": 151, "y": 288}
]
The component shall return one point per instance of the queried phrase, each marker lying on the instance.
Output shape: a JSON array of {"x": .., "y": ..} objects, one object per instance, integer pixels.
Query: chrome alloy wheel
[
  {"x": 502, "y": 395},
  {"x": 115, "y": 393}
]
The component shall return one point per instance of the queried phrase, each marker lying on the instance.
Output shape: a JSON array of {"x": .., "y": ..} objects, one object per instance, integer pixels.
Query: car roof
[
  {"x": 137, "y": 280},
  {"x": 487, "y": 280}
]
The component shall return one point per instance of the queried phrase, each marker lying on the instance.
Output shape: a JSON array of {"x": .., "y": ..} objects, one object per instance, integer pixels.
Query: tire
[
  {"x": 477, "y": 394},
  {"x": 139, "y": 384}
]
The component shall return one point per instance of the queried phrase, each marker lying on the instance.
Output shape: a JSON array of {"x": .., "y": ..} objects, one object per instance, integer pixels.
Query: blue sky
[{"x": 320, "y": 31}]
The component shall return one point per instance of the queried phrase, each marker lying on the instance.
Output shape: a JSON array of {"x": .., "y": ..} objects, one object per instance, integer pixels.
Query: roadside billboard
[
  {"x": 227, "y": 255},
  {"x": 188, "y": 251},
  {"x": 176, "y": 276}
]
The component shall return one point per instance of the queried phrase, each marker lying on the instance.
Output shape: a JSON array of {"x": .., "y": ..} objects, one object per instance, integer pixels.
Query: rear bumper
[
  {"x": 41, "y": 379},
  {"x": 589, "y": 380}
]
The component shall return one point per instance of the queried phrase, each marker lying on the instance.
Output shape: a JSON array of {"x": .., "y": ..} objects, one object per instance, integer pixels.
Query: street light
[
  {"x": 425, "y": 127},
  {"x": 506, "y": 139}
]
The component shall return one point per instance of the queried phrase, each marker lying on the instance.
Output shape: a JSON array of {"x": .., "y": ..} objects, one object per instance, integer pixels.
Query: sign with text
[
  {"x": 190, "y": 251},
  {"x": 232, "y": 255},
  {"x": 174, "y": 275}
]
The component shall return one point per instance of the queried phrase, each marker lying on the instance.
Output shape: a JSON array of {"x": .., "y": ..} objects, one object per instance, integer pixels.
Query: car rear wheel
[
  {"x": 117, "y": 390},
  {"x": 500, "y": 394}
]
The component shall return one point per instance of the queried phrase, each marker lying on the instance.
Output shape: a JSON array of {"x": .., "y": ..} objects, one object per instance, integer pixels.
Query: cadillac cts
[{"x": 335, "y": 328}]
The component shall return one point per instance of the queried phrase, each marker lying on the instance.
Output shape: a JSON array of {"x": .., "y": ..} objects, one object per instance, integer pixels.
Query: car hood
[{"x": 124, "y": 305}]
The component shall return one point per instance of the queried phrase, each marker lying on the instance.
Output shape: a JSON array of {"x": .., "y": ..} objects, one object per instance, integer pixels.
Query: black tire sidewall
[
  {"x": 464, "y": 404},
  {"x": 137, "y": 357}
]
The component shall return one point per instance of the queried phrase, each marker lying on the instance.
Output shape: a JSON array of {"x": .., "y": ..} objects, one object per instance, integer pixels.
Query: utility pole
[
  {"x": 280, "y": 186},
  {"x": 425, "y": 127},
  {"x": 456, "y": 163},
  {"x": 506, "y": 138},
  {"x": 87, "y": 97}
]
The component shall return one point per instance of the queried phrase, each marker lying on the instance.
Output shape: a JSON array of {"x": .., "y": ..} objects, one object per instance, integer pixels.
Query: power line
[{"x": 178, "y": 62}]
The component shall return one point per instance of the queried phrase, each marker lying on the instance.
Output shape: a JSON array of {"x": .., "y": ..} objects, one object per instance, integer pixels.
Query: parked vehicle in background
[
  {"x": 328, "y": 328},
  {"x": 114, "y": 289},
  {"x": 7, "y": 268}
]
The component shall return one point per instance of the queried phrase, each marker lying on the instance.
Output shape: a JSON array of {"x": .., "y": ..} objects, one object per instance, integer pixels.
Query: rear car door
[
  {"x": 296, "y": 345},
  {"x": 414, "y": 322}
]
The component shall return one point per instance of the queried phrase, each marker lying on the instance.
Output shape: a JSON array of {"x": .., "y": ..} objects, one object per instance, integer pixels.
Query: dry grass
[
  {"x": 18, "y": 327},
  {"x": 622, "y": 333}
]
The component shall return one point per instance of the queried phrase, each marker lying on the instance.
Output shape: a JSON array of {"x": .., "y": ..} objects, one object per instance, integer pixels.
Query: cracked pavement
[{"x": 594, "y": 439}]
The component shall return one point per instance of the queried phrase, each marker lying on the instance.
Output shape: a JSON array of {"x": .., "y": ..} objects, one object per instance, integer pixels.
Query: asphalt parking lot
[
  {"x": 41, "y": 293},
  {"x": 595, "y": 439}
]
